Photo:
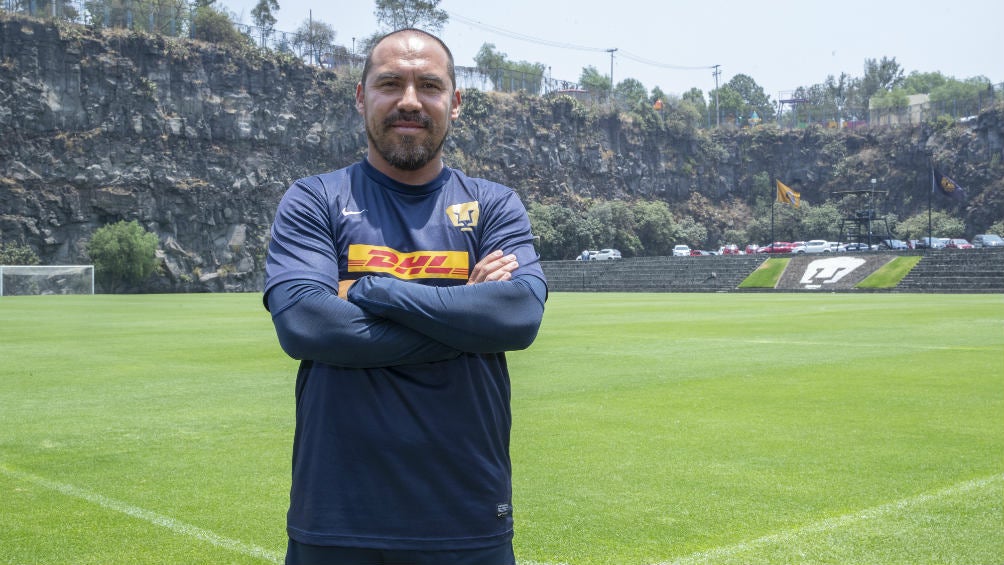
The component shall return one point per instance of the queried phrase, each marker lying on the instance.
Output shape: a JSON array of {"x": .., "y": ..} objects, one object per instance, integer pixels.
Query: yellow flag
[{"x": 786, "y": 195}]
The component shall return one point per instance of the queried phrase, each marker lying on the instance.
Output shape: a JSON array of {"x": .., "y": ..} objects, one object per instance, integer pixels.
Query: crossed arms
[{"x": 384, "y": 322}]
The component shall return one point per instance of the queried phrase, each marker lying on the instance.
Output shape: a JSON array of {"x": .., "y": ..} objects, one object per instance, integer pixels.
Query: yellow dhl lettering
[{"x": 416, "y": 265}]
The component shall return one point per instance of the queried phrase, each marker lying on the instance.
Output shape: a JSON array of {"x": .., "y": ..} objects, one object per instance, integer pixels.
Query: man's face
[{"x": 408, "y": 101}]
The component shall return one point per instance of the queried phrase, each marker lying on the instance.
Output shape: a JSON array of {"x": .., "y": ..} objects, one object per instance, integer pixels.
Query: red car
[
  {"x": 958, "y": 244},
  {"x": 777, "y": 247},
  {"x": 730, "y": 249}
]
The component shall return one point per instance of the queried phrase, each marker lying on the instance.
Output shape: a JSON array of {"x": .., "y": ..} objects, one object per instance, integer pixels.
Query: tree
[
  {"x": 881, "y": 76},
  {"x": 165, "y": 17},
  {"x": 264, "y": 17},
  {"x": 506, "y": 75},
  {"x": 124, "y": 254},
  {"x": 730, "y": 103},
  {"x": 213, "y": 26},
  {"x": 313, "y": 39},
  {"x": 942, "y": 225},
  {"x": 421, "y": 14},
  {"x": 753, "y": 98},
  {"x": 563, "y": 233},
  {"x": 57, "y": 9},
  {"x": 997, "y": 228},
  {"x": 17, "y": 254},
  {"x": 629, "y": 93},
  {"x": 696, "y": 97},
  {"x": 616, "y": 226},
  {"x": 595, "y": 83},
  {"x": 656, "y": 228}
]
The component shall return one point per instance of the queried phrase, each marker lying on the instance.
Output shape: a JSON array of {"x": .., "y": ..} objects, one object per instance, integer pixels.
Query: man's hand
[
  {"x": 496, "y": 266},
  {"x": 343, "y": 288}
]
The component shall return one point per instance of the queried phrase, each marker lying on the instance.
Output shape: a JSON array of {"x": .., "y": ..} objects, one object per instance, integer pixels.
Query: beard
[{"x": 408, "y": 152}]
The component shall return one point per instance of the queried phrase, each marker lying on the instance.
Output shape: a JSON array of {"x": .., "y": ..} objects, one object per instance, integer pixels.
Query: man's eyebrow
[
  {"x": 387, "y": 75},
  {"x": 432, "y": 78}
]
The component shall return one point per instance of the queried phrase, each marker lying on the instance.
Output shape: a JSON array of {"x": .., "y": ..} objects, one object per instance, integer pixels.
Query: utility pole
[
  {"x": 718, "y": 114},
  {"x": 611, "y": 51}
]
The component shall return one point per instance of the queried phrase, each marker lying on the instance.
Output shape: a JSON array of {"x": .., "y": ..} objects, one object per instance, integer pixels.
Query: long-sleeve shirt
[{"x": 402, "y": 397}]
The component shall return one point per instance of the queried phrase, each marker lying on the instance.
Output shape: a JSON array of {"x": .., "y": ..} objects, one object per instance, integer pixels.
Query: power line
[
  {"x": 637, "y": 59},
  {"x": 523, "y": 37},
  {"x": 562, "y": 45}
]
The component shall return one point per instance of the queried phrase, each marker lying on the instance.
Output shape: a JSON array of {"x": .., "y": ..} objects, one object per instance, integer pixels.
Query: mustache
[{"x": 409, "y": 117}]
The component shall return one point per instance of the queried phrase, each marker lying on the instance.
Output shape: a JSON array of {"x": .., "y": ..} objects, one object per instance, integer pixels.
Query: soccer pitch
[{"x": 648, "y": 429}]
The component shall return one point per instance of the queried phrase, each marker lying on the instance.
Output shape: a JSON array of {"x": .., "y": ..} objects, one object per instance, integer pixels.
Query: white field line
[
  {"x": 835, "y": 523},
  {"x": 836, "y": 345},
  {"x": 175, "y": 526}
]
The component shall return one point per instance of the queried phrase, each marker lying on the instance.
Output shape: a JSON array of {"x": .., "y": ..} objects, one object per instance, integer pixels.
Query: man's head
[{"x": 408, "y": 98}]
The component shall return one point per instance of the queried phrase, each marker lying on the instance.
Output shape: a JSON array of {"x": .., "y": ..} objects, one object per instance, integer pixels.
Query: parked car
[
  {"x": 587, "y": 255},
  {"x": 752, "y": 248},
  {"x": 958, "y": 243},
  {"x": 699, "y": 253},
  {"x": 813, "y": 246},
  {"x": 930, "y": 243},
  {"x": 606, "y": 254},
  {"x": 681, "y": 251},
  {"x": 855, "y": 247},
  {"x": 730, "y": 249},
  {"x": 777, "y": 247},
  {"x": 893, "y": 244},
  {"x": 988, "y": 240}
]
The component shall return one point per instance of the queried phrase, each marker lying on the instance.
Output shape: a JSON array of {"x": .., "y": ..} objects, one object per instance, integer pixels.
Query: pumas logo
[
  {"x": 829, "y": 271},
  {"x": 417, "y": 265},
  {"x": 464, "y": 216}
]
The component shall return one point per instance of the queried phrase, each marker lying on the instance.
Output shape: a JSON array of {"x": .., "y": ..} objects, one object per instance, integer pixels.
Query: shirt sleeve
[
  {"x": 488, "y": 317},
  {"x": 312, "y": 323}
]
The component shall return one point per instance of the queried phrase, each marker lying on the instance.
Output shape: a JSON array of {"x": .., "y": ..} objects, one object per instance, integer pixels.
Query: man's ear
[
  {"x": 455, "y": 112},
  {"x": 360, "y": 98}
]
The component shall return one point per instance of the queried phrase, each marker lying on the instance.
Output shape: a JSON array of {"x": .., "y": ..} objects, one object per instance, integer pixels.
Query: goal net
[{"x": 18, "y": 280}]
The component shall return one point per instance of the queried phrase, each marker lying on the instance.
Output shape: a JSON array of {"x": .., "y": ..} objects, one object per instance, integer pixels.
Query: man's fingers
[{"x": 496, "y": 266}]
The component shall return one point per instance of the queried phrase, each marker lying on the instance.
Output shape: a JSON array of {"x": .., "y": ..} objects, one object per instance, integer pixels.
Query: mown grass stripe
[
  {"x": 835, "y": 523},
  {"x": 167, "y": 522}
]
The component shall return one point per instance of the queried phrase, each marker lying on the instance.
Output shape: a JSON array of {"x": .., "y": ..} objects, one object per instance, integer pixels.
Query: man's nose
[{"x": 409, "y": 99}]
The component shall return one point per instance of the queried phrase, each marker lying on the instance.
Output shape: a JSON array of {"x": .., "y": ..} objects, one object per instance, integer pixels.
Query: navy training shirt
[{"x": 412, "y": 452}]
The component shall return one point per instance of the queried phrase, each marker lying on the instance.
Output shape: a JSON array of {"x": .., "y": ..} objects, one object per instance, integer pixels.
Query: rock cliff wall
[{"x": 198, "y": 142}]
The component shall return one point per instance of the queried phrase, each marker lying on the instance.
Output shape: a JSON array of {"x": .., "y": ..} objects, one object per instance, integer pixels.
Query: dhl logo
[{"x": 417, "y": 265}]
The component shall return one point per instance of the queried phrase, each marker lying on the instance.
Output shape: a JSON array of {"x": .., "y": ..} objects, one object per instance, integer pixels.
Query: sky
[{"x": 781, "y": 44}]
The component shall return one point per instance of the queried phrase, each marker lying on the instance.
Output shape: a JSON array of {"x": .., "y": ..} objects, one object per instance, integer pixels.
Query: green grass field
[{"x": 648, "y": 429}]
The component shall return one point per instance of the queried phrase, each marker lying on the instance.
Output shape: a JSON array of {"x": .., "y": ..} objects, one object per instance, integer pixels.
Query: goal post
[{"x": 17, "y": 280}]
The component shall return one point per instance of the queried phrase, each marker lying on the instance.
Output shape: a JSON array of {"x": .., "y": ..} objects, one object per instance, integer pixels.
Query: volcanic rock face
[
  {"x": 96, "y": 128},
  {"x": 198, "y": 143}
]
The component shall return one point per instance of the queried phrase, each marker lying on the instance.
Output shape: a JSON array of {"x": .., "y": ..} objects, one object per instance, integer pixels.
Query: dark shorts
[{"x": 302, "y": 554}]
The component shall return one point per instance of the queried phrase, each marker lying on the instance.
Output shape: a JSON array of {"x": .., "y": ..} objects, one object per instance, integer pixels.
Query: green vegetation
[
  {"x": 17, "y": 254},
  {"x": 648, "y": 428},
  {"x": 767, "y": 274},
  {"x": 124, "y": 255},
  {"x": 889, "y": 275}
]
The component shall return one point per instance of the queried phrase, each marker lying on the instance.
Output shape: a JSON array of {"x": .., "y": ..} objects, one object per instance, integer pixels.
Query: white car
[
  {"x": 605, "y": 254},
  {"x": 813, "y": 246},
  {"x": 681, "y": 251}
]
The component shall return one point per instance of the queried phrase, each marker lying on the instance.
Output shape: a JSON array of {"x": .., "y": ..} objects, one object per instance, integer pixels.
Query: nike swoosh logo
[{"x": 347, "y": 212}]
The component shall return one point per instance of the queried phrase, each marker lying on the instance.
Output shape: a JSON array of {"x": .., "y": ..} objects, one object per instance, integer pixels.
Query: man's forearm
[
  {"x": 312, "y": 323},
  {"x": 489, "y": 317}
]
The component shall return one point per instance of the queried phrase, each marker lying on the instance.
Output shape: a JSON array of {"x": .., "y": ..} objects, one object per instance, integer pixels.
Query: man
[{"x": 400, "y": 283}]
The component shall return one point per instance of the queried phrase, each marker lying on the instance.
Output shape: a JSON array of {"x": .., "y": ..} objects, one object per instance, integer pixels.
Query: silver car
[{"x": 605, "y": 254}]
